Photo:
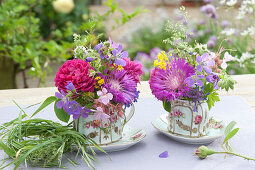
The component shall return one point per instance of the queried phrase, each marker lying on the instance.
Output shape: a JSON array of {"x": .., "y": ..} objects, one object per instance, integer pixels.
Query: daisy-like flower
[
  {"x": 168, "y": 84},
  {"x": 101, "y": 115},
  {"x": 122, "y": 86},
  {"x": 104, "y": 97}
]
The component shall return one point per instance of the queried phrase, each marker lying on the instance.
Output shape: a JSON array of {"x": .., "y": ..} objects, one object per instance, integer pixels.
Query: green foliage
[
  {"x": 43, "y": 143},
  {"x": 226, "y": 82},
  {"x": 167, "y": 106},
  {"x": 229, "y": 133},
  {"x": 61, "y": 114},
  {"x": 47, "y": 102}
]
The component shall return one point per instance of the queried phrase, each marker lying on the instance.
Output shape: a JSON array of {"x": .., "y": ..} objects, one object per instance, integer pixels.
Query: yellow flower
[
  {"x": 100, "y": 82},
  {"x": 97, "y": 78},
  {"x": 162, "y": 60},
  {"x": 119, "y": 67}
]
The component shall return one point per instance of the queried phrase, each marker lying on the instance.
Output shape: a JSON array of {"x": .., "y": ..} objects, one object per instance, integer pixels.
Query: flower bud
[{"x": 202, "y": 152}]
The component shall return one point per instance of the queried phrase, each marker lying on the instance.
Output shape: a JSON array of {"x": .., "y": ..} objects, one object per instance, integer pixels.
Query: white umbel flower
[
  {"x": 228, "y": 31},
  {"x": 63, "y": 6},
  {"x": 250, "y": 31}
]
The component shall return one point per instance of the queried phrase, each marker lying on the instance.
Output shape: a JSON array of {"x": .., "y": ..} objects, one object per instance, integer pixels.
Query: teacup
[
  {"x": 100, "y": 132},
  {"x": 187, "y": 119}
]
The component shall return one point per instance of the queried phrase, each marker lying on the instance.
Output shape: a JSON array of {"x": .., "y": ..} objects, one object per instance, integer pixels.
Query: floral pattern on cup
[{"x": 198, "y": 119}]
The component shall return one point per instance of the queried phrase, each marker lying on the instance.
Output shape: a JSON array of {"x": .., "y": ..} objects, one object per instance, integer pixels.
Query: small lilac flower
[
  {"x": 213, "y": 78},
  {"x": 119, "y": 53},
  {"x": 119, "y": 61},
  {"x": 163, "y": 154},
  {"x": 225, "y": 23},
  {"x": 63, "y": 102},
  {"x": 98, "y": 47},
  {"x": 112, "y": 43},
  {"x": 209, "y": 10},
  {"x": 85, "y": 112},
  {"x": 104, "y": 97},
  {"x": 227, "y": 58},
  {"x": 70, "y": 86},
  {"x": 213, "y": 38},
  {"x": 205, "y": 62},
  {"x": 194, "y": 79},
  {"x": 89, "y": 59},
  {"x": 211, "y": 44},
  {"x": 99, "y": 114},
  {"x": 73, "y": 108}
]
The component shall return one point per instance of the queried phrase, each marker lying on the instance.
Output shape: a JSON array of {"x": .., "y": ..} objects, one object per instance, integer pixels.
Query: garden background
[{"x": 37, "y": 36}]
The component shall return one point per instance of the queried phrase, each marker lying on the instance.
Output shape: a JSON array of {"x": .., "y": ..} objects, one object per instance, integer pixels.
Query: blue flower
[{"x": 213, "y": 78}]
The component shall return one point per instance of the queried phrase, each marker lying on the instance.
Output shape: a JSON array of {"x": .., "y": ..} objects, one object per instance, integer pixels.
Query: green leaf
[
  {"x": 167, "y": 106},
  {"x": 9, "y": 151},
  {"x": 231, "y": 134},
  {"x": 47, "y": 102},
  {"x": 229, "y": 127},
  {"x": 61, "y": 114}
]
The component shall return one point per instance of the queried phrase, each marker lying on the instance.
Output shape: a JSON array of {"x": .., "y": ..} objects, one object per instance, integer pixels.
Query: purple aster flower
[
  {"x": 169, "y": 84},
  {"x": 225, "y": 23},
  {"x": 119, "y": 53},
  {"x": 89, "y": 59},
  {"x": 209, "y": 10},
  {"x": 213, "y": 78},
  {"x": 194, "y": 79},
  {"x": 163, "y": 154},
  {"x": 205, "y": 62},
  {"x": 70, "y": 86},
  {"x": 122, "y": 86}
]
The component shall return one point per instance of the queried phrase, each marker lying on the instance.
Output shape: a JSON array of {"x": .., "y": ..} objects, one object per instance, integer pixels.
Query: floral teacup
[
  {"x": 103, "y": 132},
  {"x": 188, "y": 119}
]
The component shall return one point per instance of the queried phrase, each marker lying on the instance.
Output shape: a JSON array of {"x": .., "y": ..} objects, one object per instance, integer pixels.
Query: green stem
[{"x": 232, "y": 153}]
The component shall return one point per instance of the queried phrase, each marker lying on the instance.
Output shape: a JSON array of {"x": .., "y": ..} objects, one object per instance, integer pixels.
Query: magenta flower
[
  {"x": 169, "y": 84},
  {"x": 104, "y": 97},
  {"x": 101, "y": 115},
  {"x": 205, "y": 62},
  {"x": 134, "y": 69},
  {"x": 122, "y": 86},
  {"x": 77, "y": 72}
]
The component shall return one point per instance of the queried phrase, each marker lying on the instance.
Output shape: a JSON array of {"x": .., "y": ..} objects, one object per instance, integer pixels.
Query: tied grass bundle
[{"x": 43, "y": 143}]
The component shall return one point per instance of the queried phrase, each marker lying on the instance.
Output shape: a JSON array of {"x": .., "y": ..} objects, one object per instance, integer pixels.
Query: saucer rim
[
  {"x": 127, "y": 142},
  {"x": 179, "y": 136}
]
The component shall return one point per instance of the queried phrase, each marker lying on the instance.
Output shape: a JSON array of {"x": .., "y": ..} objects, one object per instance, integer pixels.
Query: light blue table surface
[{"x": 144, "y": 155}]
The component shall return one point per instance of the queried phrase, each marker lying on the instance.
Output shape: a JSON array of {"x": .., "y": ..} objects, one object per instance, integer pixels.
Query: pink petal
[
  {"x": 105, "y": 100},
  {"x": 109, "y": 96},
  {"x": 104, "y": 117},
  {"x": 99, "y": 93},
  {"x": 104, "y": 91}
]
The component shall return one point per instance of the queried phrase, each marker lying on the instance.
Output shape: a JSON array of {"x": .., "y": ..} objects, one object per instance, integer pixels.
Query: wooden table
[{"x": 245, "y": 88}]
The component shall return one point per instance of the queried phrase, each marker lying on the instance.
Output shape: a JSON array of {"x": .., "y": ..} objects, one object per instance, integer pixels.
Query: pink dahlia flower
[
  {"x": 77, "y": 72},
  {"x": 169, "y": 84},
  {"x": 133, "y": 68}
]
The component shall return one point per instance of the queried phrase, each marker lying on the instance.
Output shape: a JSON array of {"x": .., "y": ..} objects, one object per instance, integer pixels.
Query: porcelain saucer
[
  {"x": 214, "y": 132},
  {"x": 130, "y": 137}
]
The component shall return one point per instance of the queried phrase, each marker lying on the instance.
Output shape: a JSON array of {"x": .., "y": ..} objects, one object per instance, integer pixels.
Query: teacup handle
[{"x": 131, "y": 113}]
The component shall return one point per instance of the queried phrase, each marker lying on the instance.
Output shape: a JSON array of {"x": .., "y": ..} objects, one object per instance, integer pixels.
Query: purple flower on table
[
  {"x": 163, "y": 154},
  {"x": 101, "y": 115},
  {"x": 213, "y": 78},
  {"x": 194, "y": 79},
  {"x": 205, "y": 62},
  {"x": 209, "y": 10},
  {"x": 104, "y": 97}
]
